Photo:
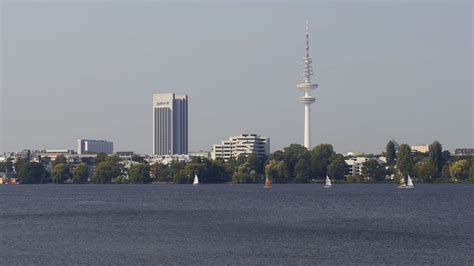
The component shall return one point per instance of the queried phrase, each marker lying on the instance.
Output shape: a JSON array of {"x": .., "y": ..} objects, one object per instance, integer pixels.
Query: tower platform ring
[{"x": 307, "y": 99}]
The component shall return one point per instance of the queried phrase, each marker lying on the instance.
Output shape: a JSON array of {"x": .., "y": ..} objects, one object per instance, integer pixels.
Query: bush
[{"x": 354, "y": 179}]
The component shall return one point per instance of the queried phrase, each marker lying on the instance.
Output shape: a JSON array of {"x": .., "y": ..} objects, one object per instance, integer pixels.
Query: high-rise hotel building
[{"x": 170, "y": 124}]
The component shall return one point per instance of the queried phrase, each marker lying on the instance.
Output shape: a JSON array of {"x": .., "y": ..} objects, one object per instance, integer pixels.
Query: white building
[
  {"x": 170, "y": 124},
  {"x": 244, "y": 144},
  {"x": 52, "y": 154},
  {"x": 420, "y": 148},
  {"x": 167, "y": 159},
  {"x": 356, "y": 164},
  {"x": 202, "y": 154},
  {"x": 94, "y": 146}
]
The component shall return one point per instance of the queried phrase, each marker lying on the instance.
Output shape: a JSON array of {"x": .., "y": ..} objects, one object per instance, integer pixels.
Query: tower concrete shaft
[{"x": 307, "y": 87}]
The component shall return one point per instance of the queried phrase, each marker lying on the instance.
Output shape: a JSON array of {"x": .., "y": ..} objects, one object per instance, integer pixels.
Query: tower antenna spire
[{"x": 307, "y": 39}]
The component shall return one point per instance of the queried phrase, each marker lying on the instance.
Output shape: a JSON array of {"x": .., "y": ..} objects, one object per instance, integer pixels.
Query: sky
[{"x": 88, "y": 69}]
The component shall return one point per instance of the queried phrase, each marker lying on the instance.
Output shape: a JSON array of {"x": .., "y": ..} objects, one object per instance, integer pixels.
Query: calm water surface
[{"x": 236, "y": 224}]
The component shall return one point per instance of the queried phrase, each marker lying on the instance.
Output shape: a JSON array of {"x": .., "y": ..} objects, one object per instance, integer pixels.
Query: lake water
[{"x": 236, "y": 224}]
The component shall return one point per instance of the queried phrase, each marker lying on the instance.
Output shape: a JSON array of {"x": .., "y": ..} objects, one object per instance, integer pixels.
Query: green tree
[
  {"x": 6, "y": 166},
  {"x": 292, "y": 154},
  {"x": 193, "y": 169},
  {"x": 277, "y": 171},
  {"x": 460, "y": 170},
  {"x": 139, "y": 174},
  {"x": 471, "y": 174},
  {"x": 32, "y": 173},
  {"x": 446, "y": 156},
  {"x": 60, "y": 173},
  {"x": 174, "y": 168},
  {"x": 337, "y": 169},
  {"x": 241, "y": 159},
  {"x": 230, "y": 167},
  {"x": 181, "y": 177},
  {"x": 59, "y": 159},
  {"x": 404, "y": 160},
  {"x": 19, "y": 163},
  {"x": 80, "y": 174},
  {"x": 303, "y": 171},
  {"x": 215, "y": 171},
  {"x": 321, "y": 157},
  {"x": 253, "y": 176},
  {"x": 435, "y": 155},
  {"x": 160, "y": 172},
  {"x": 242, "y": 175},
  {"x": 372, "y": 169},
  {"x": 391, "y": 153},
  {"x": 445, "y": 172},
  {"x": 100, "y": 158},
  {"x": 256, "y": 163},
  {"x": 107, "y": 170},
  {"x": 277, "y": 156},
  {"x": 390, "y": 171},
  {"x": 426, "y": 171}
]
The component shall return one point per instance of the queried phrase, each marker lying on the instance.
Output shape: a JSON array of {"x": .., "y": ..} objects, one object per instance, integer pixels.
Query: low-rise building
[
  {"x": 167, "y": 159},
  {"x": 52, "y": 154},
  {"x": 423, "y": 148},
  {"x": 356, "y": 163},
  {"x": 201, "y": 154},
  {"x": 464, "y": 152},
  {"x": 244, "y": 144},
  {"x": 125, "y": 155}
]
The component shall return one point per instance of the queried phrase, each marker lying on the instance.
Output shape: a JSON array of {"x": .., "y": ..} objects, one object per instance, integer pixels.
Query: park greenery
[{"x": 293, "y": 164}]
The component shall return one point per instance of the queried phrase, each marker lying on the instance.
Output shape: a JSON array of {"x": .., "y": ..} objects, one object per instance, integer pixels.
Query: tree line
[
  {"x": 293, "y": 164},
  {"x": 434, "y": 166}
]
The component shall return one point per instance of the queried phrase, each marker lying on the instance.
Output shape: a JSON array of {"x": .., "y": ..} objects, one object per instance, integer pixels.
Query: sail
[
  {"x": 268, "y": 183},
  {"x": 328, "y": 181},
  {"x": 409, "y": 182},
  {"x": 196, "y": 180}
]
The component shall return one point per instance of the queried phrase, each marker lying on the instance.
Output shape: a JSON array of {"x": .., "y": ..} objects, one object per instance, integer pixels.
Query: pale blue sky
[{"x": 88, "y": 69}]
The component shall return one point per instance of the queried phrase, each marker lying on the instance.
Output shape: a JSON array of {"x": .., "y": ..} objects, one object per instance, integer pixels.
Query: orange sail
[{"x": 268, "y": 183}]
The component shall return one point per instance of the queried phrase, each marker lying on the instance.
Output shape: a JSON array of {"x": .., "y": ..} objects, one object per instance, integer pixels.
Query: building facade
[
  {"x": 356, "y": 163},
  {"x": 94, "y": 146},
  {"x": 170, "y": 124},
  {"x": 167, "y": 159},
  {"x": 201, "y": 154},
  {"x": 244, "y": 144},
  {"x": 464, "y": 152},
  {"x": 420, "y": 148}
]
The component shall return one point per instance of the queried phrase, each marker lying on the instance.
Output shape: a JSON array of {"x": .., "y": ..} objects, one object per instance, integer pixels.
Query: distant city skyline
[{"x": 386, "y": 71}]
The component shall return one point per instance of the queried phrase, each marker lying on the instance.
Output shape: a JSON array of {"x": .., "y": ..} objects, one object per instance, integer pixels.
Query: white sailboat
[
  {"x": 409, "y": 182},
  {"x": 328, "y": 182},
  {"x": 196, "y": 180}
]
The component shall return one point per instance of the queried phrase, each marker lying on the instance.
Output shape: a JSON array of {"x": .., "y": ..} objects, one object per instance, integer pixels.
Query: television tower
[{"x": 307, "y": 87}]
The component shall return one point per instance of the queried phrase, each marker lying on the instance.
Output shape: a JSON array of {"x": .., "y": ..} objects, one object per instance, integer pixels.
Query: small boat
[
  {"x": 268, "y": 183},
  {"x": 409, "y": 183},
  {"x": 328, "y": 183},
  {"x": 196, "y": 180}
]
